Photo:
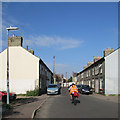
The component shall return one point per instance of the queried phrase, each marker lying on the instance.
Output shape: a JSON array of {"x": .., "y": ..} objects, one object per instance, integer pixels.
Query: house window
[
  {"x": 89, "y": 73},
  {"x": 89, "y": 83},
  {"x": 92, "y": 83},
  {"x": 101, "y": 83},
  {"x": 100, "y": 70},
  {"x": 78, "y": 77},
  {"x": 82, "y": 75},
  {"x": 93, "y": 71},
  {"x": 96, "y": 70},
  {"x": 82, "y": 82}
]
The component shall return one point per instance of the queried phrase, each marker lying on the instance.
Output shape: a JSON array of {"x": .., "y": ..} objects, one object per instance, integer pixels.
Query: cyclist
[{"x": 73, "y": 89}]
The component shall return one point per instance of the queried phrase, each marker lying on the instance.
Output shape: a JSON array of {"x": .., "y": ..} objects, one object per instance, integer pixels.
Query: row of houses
[
  {"x": 102, "y": 74},
  {"x": 26, "y": 71}
]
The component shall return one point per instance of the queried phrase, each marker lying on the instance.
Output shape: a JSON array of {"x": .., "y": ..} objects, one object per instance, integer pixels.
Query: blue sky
[{"x": 72, "y": 32}]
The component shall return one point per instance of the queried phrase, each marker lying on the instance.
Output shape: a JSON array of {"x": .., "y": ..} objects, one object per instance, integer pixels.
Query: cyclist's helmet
[{"x": 73, "y": 84}]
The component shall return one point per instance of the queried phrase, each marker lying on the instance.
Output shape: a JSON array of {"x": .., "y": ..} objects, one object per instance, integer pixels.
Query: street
[{"x": 60, "y": 106}]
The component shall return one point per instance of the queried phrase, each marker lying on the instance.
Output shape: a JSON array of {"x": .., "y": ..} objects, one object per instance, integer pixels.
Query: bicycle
[{"x": 74, "y": 98}]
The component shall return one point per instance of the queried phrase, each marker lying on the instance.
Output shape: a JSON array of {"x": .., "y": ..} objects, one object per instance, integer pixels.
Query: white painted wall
[
  {"x": 23, "y": 70},
  {"x": 111, "y": 73},
  {"x": 3, "y": 70},
  {"x": 119, "y": 71}
]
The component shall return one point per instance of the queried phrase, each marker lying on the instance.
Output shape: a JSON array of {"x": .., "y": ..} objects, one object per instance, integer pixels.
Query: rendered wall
[
  {"x": 23, "y": 70},
  {"x": 119, "y": 72},
  {"x": 3, "y": 70},
  {"x": 111, "y": 73}
]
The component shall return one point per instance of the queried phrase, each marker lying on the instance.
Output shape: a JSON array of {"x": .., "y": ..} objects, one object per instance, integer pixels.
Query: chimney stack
[
  {"x": 31, "y": 51},
  {"x": 15, "y": 41},
  {"x": 96, "y": 59},
  {"x": 84, "y": 67},
  {"x": 108, "y": 51},
  {"x": 90, "y": 63}
]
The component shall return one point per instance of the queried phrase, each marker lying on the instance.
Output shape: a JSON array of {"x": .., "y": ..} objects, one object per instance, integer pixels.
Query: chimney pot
[{"x": 27, "y": 47}]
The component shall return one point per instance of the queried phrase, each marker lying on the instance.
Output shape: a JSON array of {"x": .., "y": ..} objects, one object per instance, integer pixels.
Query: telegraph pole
[
  {"x": 66, "y": 79},
  {"x": 54, "y": 69},
  {"x": 66, "y": 75}
]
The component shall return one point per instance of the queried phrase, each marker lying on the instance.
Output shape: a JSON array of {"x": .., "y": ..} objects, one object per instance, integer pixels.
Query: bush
[{"x": 33, "y": 92}]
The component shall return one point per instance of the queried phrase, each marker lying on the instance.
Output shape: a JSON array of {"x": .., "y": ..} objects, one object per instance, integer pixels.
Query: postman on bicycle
[{"x": 73, "y": 90}]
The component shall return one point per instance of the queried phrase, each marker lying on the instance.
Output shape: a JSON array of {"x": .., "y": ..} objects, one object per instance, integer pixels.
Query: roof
[
  {"x": 113, "y": 52},
  {"x": 100, "y": 60},
  {"x": 33, "y": 55}
]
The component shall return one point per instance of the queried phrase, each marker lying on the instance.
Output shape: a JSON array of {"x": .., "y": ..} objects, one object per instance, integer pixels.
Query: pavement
[
  {"x": 115, "y": 98},
  {"x": 28, "y": 106}
]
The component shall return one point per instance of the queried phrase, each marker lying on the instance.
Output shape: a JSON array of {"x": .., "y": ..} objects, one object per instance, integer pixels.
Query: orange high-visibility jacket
[{"x": 73, "y": 89}]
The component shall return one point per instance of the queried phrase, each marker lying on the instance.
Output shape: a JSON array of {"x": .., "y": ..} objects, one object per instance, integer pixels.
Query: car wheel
[{"x": 4, "y": 99}]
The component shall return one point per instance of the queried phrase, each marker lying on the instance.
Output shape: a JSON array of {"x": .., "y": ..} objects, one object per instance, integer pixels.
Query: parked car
[
  {"x": 3, "y": 96},
  {"x": 79, "y": 86},
  {"x": 59, "y": 86},
  {"x": 86, "y": 89},
  {"x": 53, "y": 89}
]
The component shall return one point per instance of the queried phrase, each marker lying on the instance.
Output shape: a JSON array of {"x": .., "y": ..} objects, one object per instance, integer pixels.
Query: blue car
[{"x": 53, "y": 89}]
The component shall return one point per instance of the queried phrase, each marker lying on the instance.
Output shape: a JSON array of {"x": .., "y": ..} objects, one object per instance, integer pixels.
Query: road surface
[{"x": 60, "y": 106}]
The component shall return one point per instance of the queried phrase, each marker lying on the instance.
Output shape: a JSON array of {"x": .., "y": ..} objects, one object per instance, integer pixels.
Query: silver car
[{"x": 53, "y": 89}]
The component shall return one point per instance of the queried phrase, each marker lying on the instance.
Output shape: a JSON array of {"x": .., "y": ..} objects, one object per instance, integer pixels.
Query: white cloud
[{"x": 54, "y": 41}]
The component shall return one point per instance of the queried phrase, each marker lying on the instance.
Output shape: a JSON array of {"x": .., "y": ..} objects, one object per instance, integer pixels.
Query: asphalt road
[{"x": 60, "y": 106}]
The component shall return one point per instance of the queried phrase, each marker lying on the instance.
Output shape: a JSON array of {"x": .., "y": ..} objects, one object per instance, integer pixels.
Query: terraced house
[
  {"x": 102, "y": 73},
  {"x": 26, "y": 71}
]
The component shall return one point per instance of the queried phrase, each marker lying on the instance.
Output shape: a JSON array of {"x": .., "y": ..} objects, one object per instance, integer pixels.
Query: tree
[{"x": 58, "y": 78}]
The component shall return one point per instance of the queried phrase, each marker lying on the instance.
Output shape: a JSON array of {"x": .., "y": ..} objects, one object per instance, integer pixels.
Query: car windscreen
[
  {"x": 85, "y": 86},
  {"x": 52, "y": 86}
]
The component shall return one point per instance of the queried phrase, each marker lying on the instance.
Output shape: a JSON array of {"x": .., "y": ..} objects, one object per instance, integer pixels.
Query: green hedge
[{"x": 33, "y": 92}]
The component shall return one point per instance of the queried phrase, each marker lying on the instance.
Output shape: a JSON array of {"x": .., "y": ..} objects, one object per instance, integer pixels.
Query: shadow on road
[{"x": 76, "y": 102}]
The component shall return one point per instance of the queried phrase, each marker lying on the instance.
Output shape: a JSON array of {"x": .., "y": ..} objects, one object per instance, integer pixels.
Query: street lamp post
[{"x": 8, "y": 29}]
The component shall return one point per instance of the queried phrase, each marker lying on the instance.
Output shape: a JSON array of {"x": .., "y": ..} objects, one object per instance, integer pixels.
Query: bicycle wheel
[
  {"x": 73, "y": 98},
  {"x": 75, "y": 102}
]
